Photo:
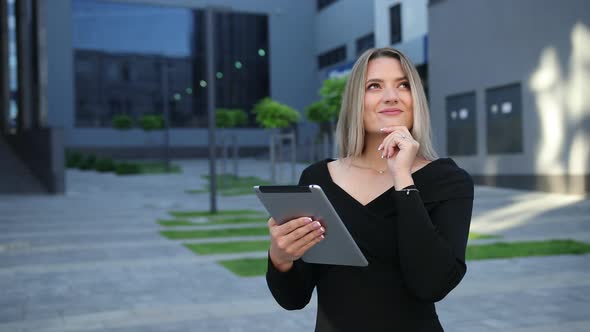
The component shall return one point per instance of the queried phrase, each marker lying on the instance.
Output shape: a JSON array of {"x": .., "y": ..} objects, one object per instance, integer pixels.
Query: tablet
[{"x": 285, "y": 203}]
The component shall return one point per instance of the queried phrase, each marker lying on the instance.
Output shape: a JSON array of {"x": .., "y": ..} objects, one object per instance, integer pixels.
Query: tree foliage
[
  {"x": 230, "y": 118},
  {"x": 328, "y": 107},
  {"x": 272, "y": 114},
  {"x": 122, "y": 122}
]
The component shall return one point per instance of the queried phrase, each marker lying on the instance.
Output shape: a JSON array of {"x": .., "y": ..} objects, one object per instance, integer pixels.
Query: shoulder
[
  {"x": 444, "y": 179},
  {"x": 314, "y": 172}
]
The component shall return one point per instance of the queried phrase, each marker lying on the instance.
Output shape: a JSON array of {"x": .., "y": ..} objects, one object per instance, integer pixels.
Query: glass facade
[
  {"x": 12, "y": 64},
  {"x": 122, "y": 51}
]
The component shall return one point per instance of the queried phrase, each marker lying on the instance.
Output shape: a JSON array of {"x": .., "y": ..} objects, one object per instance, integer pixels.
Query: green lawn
[
  {"x": 230, "y": 185},
  {"x": 257, "y": 266},
  {"x": 213, "y": 221},
  {"x": 477, "y": 236},
  {"x": 250, "y": 267},
  {"x": 219, "y": 214},
  {"x": 214, "y": 233},
  {"x": 228, "y": 247},
  {"x": 526, "y": 249}
]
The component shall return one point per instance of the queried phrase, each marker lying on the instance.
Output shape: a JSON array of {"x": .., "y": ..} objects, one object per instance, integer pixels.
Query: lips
[{"x": 391, "y": 111}]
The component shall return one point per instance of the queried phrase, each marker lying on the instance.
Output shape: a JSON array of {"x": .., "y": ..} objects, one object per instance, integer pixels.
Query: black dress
[{"x": 415, "y": 245}]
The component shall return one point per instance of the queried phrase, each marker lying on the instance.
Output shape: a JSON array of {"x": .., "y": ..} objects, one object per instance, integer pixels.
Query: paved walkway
[{"x": 92, "y": 260}]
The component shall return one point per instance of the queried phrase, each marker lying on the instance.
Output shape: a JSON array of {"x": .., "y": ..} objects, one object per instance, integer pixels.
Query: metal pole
[
  {"x": 166, "y": 111},
  {"x": 211, "y": 95},
  {"x": 4, "y": 70},
  {"x": 293, "y": 158},
  {"x": 235, "y": 154},
  {"x": 273, "y": 176}
]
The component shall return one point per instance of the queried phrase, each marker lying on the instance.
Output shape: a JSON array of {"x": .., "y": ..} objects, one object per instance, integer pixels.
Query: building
[
  {"x": 509, "y": 84},
  {"x": 486, "y": 69}
]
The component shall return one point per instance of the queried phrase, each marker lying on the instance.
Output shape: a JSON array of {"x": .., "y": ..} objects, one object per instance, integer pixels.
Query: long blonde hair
[{"x": 350, "y": 131}]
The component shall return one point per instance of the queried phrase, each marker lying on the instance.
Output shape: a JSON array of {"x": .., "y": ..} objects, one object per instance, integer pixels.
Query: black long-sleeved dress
[{"x": 415, "y": 245}]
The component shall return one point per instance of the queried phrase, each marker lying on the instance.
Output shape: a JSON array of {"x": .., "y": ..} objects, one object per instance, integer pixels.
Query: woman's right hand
[{"x": 290, "y": 240}]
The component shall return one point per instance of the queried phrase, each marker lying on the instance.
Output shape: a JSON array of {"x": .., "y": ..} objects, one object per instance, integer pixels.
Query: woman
[{"x": 408, "y": 211}]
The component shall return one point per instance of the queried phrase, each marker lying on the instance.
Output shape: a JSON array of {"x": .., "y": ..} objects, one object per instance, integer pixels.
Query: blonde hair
[{"x": 350, "y": 131}]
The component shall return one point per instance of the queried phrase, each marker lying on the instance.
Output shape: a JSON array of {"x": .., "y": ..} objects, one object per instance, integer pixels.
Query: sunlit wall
[{"x": 527, "y": 64}]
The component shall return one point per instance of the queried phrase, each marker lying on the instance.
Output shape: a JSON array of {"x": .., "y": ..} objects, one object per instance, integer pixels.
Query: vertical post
[
  {"x": 235, "y": 153},
  {"x": 293, "y": 158},
  {"x": 273, "y": 176},
  {"x": 4, "y": 70},
  {"x": 22, "y": 11},
  {"x": 166, "y": 105},
  {"x": 211, "y": 98},
  {"x": 223, "y": 144}
]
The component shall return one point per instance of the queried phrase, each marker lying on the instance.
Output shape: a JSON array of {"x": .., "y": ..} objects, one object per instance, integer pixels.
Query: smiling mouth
[{"x": 391, "y": 112}]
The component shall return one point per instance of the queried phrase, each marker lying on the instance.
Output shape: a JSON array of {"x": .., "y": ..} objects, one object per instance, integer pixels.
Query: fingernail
[
  {"x": 381, "y": 129},
  {"x": 321, "y": 237},
  {"x": 322, "y": 229},
  {"x": 382, "y": 156},
  {"x": 380, "y": 147},
  {"x": 317, "y": 224},
  {"x": 308, "y": 220}
]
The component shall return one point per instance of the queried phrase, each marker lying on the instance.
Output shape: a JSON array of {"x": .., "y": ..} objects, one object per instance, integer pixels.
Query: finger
[
  {"x": 302, "y": 232},
  {"x": 272, "y": 222},
  {"x": 309, "y": 244},
  {"x": 309, "y": 237},
  {"x": 291, "y": 225}
]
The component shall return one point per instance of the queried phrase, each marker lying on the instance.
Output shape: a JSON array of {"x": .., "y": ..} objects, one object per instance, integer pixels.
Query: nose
[{"x": 390, "y": 95}]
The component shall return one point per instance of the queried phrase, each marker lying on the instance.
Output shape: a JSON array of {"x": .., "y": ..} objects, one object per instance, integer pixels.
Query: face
[{"x": 388, "y": 98}]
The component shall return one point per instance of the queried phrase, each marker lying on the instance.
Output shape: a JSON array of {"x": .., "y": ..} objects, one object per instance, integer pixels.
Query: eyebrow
[{"x": 378, "y": 80}]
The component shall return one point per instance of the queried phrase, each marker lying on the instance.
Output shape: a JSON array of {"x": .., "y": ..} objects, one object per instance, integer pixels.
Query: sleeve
[
  {"x": 432, "y": 246},
  {"x": 292, "y": 289}
]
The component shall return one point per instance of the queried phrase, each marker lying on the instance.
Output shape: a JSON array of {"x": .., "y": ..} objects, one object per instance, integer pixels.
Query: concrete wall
[
  {"x": 292, "y": 68},
  {"x": 545, "y": 46}
]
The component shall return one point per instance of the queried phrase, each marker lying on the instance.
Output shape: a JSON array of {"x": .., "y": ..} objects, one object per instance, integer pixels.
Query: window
[
  {"x": 364, "y": 43},
  {"x": 112, "y": 62},
  {"x": 324, "y": 3},
  {"x": 395, "y": 23},
  {"x": 332, "y": 56},
  {"x": 504, "y": 119},
  {"x": 461, "y": 125}
]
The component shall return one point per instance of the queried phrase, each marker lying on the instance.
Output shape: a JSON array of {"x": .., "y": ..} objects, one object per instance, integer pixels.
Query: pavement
[{"x": 93, "y": 260}]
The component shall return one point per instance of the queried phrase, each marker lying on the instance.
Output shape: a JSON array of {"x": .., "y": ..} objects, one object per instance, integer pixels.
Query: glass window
[
  {"x": 395, "y": 24},
  {"x": 122, "y": 50},
  {"x": 332, "y": 57},
  {"x": 461, "y": 125},
  {"x": 364, "y": 43},
  {"x": 504, "y": 119}
]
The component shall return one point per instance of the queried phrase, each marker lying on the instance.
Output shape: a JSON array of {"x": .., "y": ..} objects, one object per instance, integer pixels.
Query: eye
[
  {"x": 404, "y": 85},
  {"x": 373, "y": 86}
]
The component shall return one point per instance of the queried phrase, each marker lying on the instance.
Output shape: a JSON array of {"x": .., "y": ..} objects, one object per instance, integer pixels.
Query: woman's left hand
[{"x": 399, "y": 148}]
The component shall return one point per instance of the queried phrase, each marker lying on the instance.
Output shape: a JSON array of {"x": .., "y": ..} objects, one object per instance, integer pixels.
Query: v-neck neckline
[{"x": 331, "y": 180}]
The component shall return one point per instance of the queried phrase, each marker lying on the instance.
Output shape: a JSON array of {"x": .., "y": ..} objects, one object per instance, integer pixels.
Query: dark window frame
[
  {"x": 332, "y": 56},
  {"x": 321, "y": 4},
  {"x": 365, "y": 42},
  {"x": 395, "y": 24}
]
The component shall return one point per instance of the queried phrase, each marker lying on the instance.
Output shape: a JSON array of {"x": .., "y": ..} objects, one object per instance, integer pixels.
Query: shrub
[
  {"x": 127, "y": 168},
  {"x": 88, "y": 162},
  {"x": 105, "y": 165},
  {"x": 122, "y": 122},
  {"x": 73, "y": 159},
  {"x": 151, "y": 122}
]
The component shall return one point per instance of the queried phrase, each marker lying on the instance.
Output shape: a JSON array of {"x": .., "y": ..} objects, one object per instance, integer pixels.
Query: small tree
[
  {"x": 325, "y": 111},
  {"x": 122, "y": 122},
  {"x": 273, "y": 115},
  {"x": 230, "y": 118}
]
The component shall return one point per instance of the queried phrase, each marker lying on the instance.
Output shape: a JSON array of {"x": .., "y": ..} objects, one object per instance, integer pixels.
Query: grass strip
[
  {"x": 195, "y": 214},
  {"x": 228, "y": 247},
  {"x": 257, "y": 266},
  {"x": 214, "y": 233},
  {"x": 230, "y": 185},
  {"x": 248, "y": 267},
  {"x": 478, "y": 236},
  {"x": 218, "y": 221},
  {"x": 157, "y": 167},
  {"x": 526, "y": 249}
]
